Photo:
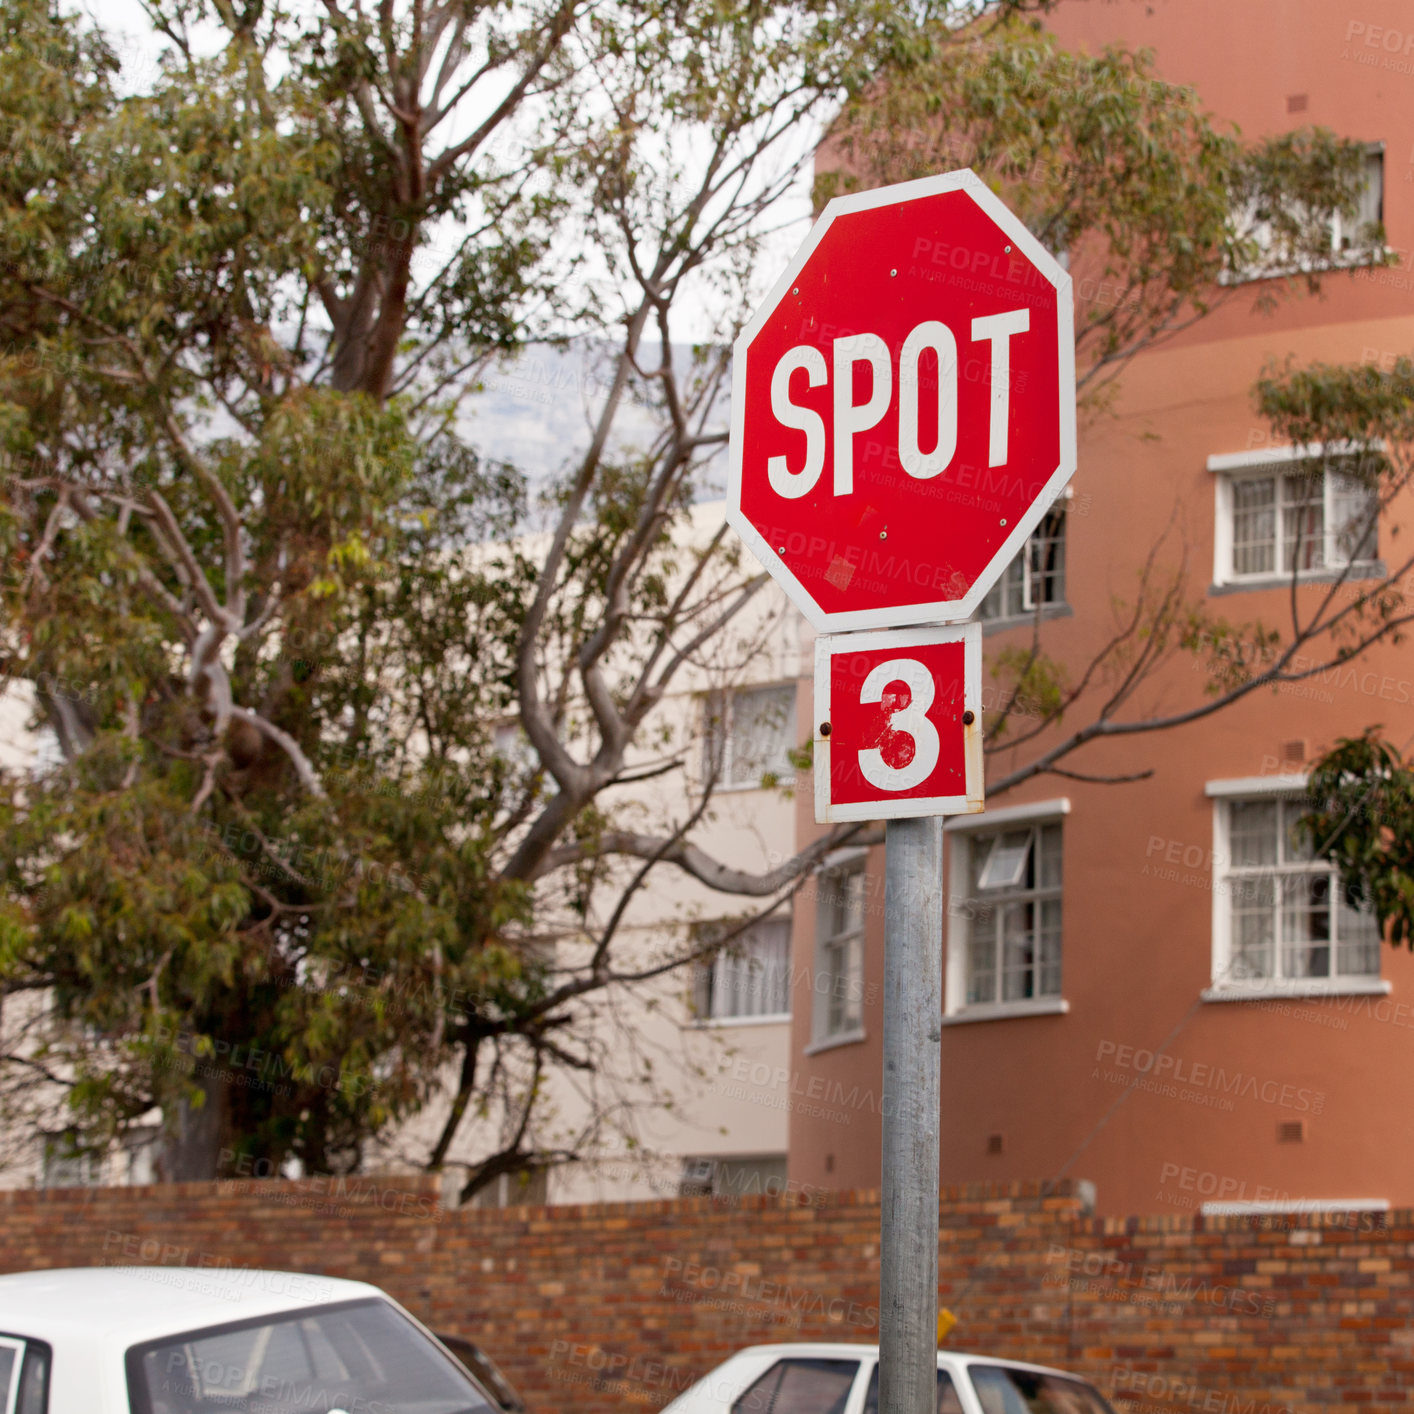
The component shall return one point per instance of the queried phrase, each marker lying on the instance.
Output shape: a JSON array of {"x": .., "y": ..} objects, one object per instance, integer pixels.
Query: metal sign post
[
  {"x": 913, "y": 1010},
  {"x": 882, "y": 532}
]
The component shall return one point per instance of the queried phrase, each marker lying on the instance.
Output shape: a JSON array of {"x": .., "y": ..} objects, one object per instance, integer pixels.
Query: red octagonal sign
[{"x": 903, "y": 405}]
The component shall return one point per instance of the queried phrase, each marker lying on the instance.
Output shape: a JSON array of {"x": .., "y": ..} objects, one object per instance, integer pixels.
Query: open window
[{"x": 1005, "y": 900}]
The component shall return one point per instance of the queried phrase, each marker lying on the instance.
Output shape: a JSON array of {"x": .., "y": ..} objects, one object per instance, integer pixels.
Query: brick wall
[{"x": 607, "y": 1307}]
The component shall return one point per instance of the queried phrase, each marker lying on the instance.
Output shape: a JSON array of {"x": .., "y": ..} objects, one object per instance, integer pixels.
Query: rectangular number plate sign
[{"x": 898, "y": 723}]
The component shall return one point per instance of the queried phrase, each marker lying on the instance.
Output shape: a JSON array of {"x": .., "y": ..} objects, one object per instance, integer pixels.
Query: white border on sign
[
  {"x": 826, "y": 647},
  {"x": 944, "y": 610}
]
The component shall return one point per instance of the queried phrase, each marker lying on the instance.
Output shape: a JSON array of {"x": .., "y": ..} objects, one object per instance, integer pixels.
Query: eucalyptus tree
[{"x": 252, "y": 563}]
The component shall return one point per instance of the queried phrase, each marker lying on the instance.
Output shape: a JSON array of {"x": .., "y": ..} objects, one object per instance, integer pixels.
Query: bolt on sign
[{"x": 903, "y": 416}]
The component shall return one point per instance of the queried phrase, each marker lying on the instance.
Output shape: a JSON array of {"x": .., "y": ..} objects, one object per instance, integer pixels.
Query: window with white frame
[
  {"x": 750, "y": 734},
  {"x": 1285, "y": 916},
  {"x": 1011, "y": 904},
  {"x": 749, "y": 978},
  {"x": 838, "y": 987},
  {"x": 1296, "y": 516},
  {"x": 1273, "y": 257},
  {"x": 1035, "y": 578}
]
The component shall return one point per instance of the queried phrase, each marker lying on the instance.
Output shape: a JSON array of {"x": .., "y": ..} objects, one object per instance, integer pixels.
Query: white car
[
  {"x": 820, "y": 1378},
  {"x": 193, "y": 1340}
]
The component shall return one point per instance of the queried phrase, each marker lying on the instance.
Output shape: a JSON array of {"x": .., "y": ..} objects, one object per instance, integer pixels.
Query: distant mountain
[{"x": 537, "y": 409}]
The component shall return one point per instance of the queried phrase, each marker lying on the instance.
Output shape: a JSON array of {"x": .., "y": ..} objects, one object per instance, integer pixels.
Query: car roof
[
  {"x": 854, "y": 1350},
  {"x": 145, "y": 1303}
]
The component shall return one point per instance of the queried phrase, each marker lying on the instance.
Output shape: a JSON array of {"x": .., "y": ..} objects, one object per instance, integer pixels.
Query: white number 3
[{"x": 912, "y": 720}]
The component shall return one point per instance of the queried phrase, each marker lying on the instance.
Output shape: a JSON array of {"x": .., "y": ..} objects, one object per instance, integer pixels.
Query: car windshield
[
  {"x": 359, "y": 1357},
  {"x": 1002, "y": 1390}
]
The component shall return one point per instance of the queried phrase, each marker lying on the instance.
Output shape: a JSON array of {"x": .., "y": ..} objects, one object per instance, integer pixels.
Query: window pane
[
  {"x": 845, "y": 990},
  {"x": 991, "y": 605},
  {"x": 1006, "y": 861},
  {"x": 854, "y": 985},
  {"x": 34, "y": 1381},
  {"x": 1046, "y": 561},
  {"x": 1254, "y": 525},
  {"x": 763, "y": 734},
  {"x": 1049, "y": 871},
  {"x": 1354, "y": 508},
  {"x": 1371, "y": 207},
  {"x": 833, "y": 957},
  {"x": 751, "y": 975},
  {"x": 1297, "y": 846},
  {"x": 1358, "y": 932},
  {"x": 842, "y": 895},
  {"x": 982, "y": 957},
  {"x": 1018, "y": 952},
  {"x": 1252, "y": 829},
  {"x": 1005, "y": 1391},
  {"x": 1050, "y": 948},
  {"x": 800, "y": 1387},
  {"x": 1306, "y": 926},
  {"x": 1253, "y": 902},
  {"x": 771, "y": 963},
  {"x": 1005, "y": 598},
  {"x": 839, "y": 953},
  {"x": 732, "y": 977},
  {"x": 1303, "y": 521},
  {"x": 703, "y": 987},
  {"x": 1016, "y": 588}
]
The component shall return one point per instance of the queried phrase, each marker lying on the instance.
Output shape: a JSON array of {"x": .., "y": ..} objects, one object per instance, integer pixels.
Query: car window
[
  {"x": 800, "y": 1386},
  {"x": 24, "y": 1375},
  {"x": 485, "y": 1372},
  {"x": 948, "y": 1402},
  {"x": 34, "y": 1380},
  {"x": 11, "y": 1354},
  {"x": 1002, "y": 1390},
  {"x": 362, "y": 1357}
]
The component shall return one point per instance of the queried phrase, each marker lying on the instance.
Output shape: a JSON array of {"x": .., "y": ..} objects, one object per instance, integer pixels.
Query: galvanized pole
[{"x": 913, "y": 1009}]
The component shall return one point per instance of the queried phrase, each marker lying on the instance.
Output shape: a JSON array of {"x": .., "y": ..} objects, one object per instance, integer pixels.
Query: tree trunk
[{"x": 194, "y": 1133}]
